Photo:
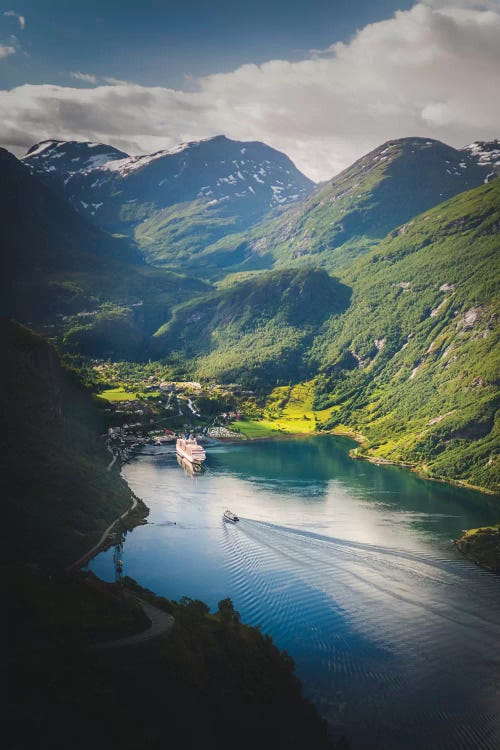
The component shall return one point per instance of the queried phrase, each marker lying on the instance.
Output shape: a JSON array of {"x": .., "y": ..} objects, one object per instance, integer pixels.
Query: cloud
[
  {"x": 86, "y": 77},
  {"x": 474, "y": 4},
  {"x": 6, "y": 50},
  {"x": 115, "y": 81},
  {"x": 13, "y": 14},
  {"x": 429, "y": 71}
]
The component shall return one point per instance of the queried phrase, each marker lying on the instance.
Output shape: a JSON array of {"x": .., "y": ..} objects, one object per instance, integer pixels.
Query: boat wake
[{"x": 372, "y": 626}]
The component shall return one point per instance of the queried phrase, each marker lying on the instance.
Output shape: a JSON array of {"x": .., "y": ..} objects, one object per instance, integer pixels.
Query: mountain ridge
[
  {"x": 411, "y": 315},
  {"x": 66, "y": 277},
  {"x": 199, "y": 190},
  {"x": 350, "y": 213}
]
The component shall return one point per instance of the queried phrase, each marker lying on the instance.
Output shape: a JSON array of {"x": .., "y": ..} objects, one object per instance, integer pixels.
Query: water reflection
[{"x": 188, "y": 467}]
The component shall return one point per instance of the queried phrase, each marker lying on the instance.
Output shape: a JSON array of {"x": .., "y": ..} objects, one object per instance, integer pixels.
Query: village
[{"x": 142, "y": 410}]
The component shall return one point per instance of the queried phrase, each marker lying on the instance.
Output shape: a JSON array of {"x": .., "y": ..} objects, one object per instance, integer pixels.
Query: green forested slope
[
  {"x": 258, "y": 330},
  {"x": 414, "y": 361}
]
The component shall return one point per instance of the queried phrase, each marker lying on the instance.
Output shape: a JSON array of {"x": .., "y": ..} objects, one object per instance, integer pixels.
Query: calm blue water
[{"x": 350, "y": 567}]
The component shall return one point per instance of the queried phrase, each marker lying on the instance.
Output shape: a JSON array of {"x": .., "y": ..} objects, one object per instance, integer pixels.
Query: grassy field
[
  {"x": 253, "y": 429},
  {"x": 288, "y": 410},
  {"x": 117, "y": 394},
  {"x": 473, "y": 532}
]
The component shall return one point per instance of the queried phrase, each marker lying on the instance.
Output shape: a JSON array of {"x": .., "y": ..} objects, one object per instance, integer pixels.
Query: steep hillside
[
  {"x": 175, "y": 202},
  {"x": 414, "y": 362},
  {"x": 42, "y": 234},
  {"x": 55, "y": 486},
  {"x": 347, "y": 215},
  {"x": 255, "y": 331},
  {"x": 231, "y": 674},
  {"x": 64, "y": 276}
]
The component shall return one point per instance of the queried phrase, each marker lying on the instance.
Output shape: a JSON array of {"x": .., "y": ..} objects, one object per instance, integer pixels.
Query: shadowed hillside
[
  {"x": 257, "y": 330},
  {"x": 53, "y": 461},
  {"x": 66, "y": 278}
]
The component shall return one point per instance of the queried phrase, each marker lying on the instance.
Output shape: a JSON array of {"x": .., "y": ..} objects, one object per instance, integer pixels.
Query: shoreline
[
  {"x": 362, "y": 440},
  {"x": 415, "y": 469},
  {"x": 105, "y": 541},
  {"x": 481, "y": 546}
]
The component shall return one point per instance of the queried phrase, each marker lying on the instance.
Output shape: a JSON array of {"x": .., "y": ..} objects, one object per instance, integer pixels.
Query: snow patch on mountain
[
  {"x": 486, "y": 154},
  {"x": 69, "y": 157}
]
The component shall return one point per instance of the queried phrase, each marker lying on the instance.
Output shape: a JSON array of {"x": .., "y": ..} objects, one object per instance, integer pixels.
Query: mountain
[
  {"x": 42, "y": 233},
  {"x": 53, "y": 461},
  {"x": 256, "y": 331},
  {"x": 67, "y": 277},
  {"x": 402, "y": 347},
  {"x": 63, "y": 159},
  {"x": 177, "y": 201},
  {"x": 43, "y": 238},
  {"x": 486, "y": 154},
  {"x": 413, "y": 363},
  {"x": 346, "y": 216}
]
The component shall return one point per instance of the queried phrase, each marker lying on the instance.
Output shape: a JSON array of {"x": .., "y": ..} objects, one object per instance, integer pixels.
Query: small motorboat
[{"x": 228, "y": 516}]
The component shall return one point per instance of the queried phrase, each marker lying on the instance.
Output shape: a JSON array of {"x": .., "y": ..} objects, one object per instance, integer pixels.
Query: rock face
[
  {"x": 482, "y": 546},
  {"x": 192, "y": 194}
]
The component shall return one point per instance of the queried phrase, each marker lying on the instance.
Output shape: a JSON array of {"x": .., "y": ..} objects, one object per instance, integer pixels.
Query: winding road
[
  {"x": 91, "y": 552},
  {"x": 161, "y": 622}
]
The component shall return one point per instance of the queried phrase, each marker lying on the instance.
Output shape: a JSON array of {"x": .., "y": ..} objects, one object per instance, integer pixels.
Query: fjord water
[{"x": 350, "y": 567}]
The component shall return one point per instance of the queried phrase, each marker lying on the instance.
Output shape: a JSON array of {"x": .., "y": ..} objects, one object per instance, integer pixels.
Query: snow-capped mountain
[
  {"x": 377, "y": 194},
  {"x": 194, "y": 193},
  {"x": 486, "y": 154},
  {"x": 68, "y": 157},
  {"x": 216, "y": 169}
]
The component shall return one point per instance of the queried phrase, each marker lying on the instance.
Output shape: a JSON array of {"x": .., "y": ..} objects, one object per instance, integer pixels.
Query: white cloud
[
  {"x": 86, "y": 77},
  {"x": 13, "y": 14},
  {"x": 474, "y": 4},
  {"x": 429, "y": 71},
  {"x": 6, "y": 50},
  {"x": 115, "y": 81}
]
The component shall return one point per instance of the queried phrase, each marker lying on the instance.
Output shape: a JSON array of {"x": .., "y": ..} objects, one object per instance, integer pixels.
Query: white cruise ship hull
[{"x": 195, "y": 457}]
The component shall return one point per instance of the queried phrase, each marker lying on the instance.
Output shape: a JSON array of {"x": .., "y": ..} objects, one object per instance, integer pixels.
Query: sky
[{"x": 325, "y": 81}]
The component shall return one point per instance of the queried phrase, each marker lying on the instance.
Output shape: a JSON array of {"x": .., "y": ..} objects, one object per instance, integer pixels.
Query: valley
[
  {"x": 295, "y": 327},
  {"x": 249, "y": 375},
  {"x": 378, "y": 289},
  {"x": 365, "y": 307}
]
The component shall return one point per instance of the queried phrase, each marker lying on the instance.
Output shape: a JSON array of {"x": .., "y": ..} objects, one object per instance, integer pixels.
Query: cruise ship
[{"x": 189, "y": 449}]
